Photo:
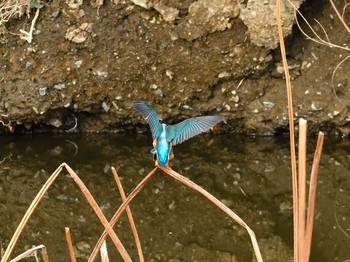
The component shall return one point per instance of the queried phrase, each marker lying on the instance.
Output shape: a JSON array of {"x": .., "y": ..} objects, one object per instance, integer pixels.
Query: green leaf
[{"x": 36, "y": 4}]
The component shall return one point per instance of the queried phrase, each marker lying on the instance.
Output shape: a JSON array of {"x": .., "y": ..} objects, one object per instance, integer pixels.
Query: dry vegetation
[{"x": 13, "y": 9}]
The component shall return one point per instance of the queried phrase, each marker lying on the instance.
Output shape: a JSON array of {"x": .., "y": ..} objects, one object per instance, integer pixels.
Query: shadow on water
[{"x": 250, "y": 175}]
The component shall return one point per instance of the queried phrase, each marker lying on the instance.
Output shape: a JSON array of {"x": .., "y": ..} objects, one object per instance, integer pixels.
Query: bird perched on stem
[{"x": 166, "y": 136}]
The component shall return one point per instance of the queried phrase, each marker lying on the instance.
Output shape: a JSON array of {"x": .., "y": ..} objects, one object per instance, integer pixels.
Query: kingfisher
[{"x": 166, "y": 136}]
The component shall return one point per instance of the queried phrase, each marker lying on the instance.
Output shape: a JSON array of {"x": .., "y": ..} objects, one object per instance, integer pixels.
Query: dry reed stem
[
  {"x": 70, "y": 245},
  {"x": 29, "y": 212},
  {"x": 129, "y": 214},
  {"x": 312, "y": 194},
  {"x": 118, "y": 244},
  {"x": 341, "y": 18},
  {"x": 29, "y": 252},
  {"x": 317, "y": 38},
  {"x": 88, "y": 197},
  {"x": 291, "y": 128},
  {"x": 11, "y": 8},
  {"x": 219, "y": 204},
  {"x": 104, "y": 252},
  {"x": 118, "y": 213},
  {"x": 302, "y": 186}
]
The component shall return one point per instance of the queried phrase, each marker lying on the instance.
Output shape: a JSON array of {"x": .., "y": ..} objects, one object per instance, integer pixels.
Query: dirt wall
[{"x": 87, "y": 62}]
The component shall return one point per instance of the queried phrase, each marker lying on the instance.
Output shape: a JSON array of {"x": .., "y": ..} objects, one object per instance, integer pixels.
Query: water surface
[{"x": 250, "y": 175}]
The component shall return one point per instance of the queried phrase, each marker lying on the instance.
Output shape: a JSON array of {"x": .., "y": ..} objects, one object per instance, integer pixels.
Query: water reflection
[{"x": 250, "y": 175}]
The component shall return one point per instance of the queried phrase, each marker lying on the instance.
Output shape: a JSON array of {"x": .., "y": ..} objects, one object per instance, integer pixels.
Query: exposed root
[{"x": 28, "y": 36}]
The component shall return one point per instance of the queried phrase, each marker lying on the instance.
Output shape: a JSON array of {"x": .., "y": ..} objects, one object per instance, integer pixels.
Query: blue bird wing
[
  {"x": 150, "y": 116},
  {"x": 191, "y": 127}
]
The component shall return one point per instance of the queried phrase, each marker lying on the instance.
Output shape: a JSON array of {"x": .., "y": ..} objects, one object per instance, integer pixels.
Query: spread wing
[
  {"x": 150, "y": 116},
  {"x": 191, "y": 127}
]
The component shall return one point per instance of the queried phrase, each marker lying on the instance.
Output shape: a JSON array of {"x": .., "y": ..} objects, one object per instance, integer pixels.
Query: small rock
[
  {"x": 55, "y": 14},
  {"x": 224, "y": 75},
  {"x": 42, "y": 90},
  {"x": 29, "y": 65},
  {"x": 105, "y": 106},
  {"x": 235, "y": 98},
  {"x": 83, "y": 246},
  {"x": 169, "y": 74},
  {"x": 102, "y": 74},
  {"x": 172, "y": 205},
  {"x": 59, "y": 86},
  {"x": 168, "y": 13},
  {"x": 78, "y": 63},
  {"x": 153, "y": 86},
  {"x": 80, "y": 34},
  {"x": 268, "y": 104},
  {"x": 55, "y": 122},
  {"x": 143, "y": 3}
]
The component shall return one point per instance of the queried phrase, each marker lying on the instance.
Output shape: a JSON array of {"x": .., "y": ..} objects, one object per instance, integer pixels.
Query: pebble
[
  {"x": 59, "y": 86},
  {"x": 159, "y": 92},
  {"x": 224, "y": 75},
  {"x": 29, "y": 65},
  {"x": 268, "y": 104},
  {"x": 153, "y": 86},
  {"x": 235, "y": 98},
  {"x": 43, "y": 90},
  {"x": 105, "y": 106},
  {"x": 78, "y": 63},
  {"x": 102, "y": 74},
  {"x": 83, "y": 246},
  {"x": 55, "y": 13},
  {"x": 169, "y": 74},
  {"x": 55, "y": 122}
]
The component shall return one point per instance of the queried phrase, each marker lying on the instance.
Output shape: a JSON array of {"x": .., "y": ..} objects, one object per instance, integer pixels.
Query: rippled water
[{"x": 250, "y": 175}]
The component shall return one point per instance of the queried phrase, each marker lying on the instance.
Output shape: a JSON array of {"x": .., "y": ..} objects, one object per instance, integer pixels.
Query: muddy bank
[{"x": 87, "y": 63}]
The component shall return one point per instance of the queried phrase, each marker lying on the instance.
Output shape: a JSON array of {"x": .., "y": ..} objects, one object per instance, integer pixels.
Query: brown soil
[{"x": 131, "y": 53}]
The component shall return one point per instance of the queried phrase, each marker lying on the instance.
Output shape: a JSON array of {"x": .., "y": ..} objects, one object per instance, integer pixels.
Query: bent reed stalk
[{"x": 88, "y": 197}]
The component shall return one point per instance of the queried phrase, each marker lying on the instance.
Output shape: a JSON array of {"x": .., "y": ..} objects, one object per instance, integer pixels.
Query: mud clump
[{"x": 88, "y": 62}]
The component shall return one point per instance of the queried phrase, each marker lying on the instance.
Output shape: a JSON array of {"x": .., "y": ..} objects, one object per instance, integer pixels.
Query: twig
[
  {"x": 319, "y": 40},
  {"x": 29, "y": 252},
  {"x": 302, "y": 187},
  {"x": 219, "y": 204},
  {"x": 129, "y": 214},
  {"x": 118, "y": 213},
  {"x": 75, "y": 124},
  {"x": 70, "y": 245},
  {"x": 341, "y": 18},
  {"x": 333, "y": 76},
  {"x": 312, "y": 194},
  {"x": 118, "y": 244},
  {"x": 104, "y": 252},
  {"x": 291, "y": 128},
  {"x": 28, "y": 36}
]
